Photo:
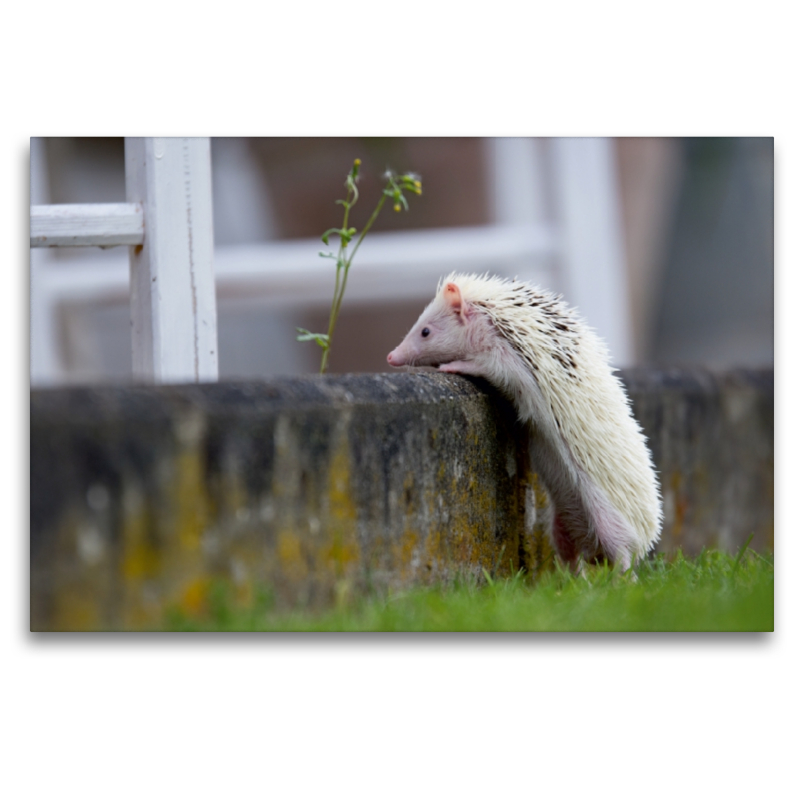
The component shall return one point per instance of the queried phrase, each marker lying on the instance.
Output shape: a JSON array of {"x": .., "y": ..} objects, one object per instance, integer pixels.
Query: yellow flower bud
[
  {"x": 357, "y": 162},
  {"x": 397, "y": 206}
]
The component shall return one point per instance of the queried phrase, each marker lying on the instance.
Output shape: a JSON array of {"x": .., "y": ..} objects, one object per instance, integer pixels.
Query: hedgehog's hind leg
[
  {"x": 615, "y": 537},
  {"x": 566, "y": 547}
]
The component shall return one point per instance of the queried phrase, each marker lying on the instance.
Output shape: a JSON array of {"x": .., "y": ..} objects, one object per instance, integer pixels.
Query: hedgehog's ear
[
  {"x": 452, "y": 296},
  {"x": 456, "y": 302}
]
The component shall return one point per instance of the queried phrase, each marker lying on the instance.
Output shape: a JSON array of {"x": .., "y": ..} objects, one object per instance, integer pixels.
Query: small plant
[{"x": 395, "y": 186}]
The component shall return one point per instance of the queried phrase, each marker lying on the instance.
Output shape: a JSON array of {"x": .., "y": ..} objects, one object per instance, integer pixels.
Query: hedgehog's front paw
[{"x": 464, "y": 367}]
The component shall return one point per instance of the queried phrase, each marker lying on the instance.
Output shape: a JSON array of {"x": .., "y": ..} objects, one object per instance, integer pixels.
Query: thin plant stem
[
  {"x": 408, "y": 181},
  {"x": 338, "y": 290},
  {"x": 337, "y": 299},
  {"x": 368, "y": 226}
]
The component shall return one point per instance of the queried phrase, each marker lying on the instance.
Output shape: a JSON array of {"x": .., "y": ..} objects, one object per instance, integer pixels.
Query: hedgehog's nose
[{"x": 395, "y": 358}]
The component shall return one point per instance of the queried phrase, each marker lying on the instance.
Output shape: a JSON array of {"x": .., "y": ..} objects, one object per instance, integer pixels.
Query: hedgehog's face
[{"x": 442, "y": 333}]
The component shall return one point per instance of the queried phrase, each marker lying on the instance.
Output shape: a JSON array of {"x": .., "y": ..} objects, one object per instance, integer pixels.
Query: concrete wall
[{"x": 320, "y": 488}]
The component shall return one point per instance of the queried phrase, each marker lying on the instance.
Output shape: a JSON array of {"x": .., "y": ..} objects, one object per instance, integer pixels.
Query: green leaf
[
  {"x": 351, "y": 187},
  {"x": 345, "y": 236},
  {"x": 306, "y": 336}
]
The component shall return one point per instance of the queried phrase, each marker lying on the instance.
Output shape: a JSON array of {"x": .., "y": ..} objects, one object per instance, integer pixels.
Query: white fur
[{"x": 587, "y": 446}]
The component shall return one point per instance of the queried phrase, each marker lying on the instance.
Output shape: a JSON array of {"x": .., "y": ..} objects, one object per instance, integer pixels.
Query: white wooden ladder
[{"x": 167, "y": 222}]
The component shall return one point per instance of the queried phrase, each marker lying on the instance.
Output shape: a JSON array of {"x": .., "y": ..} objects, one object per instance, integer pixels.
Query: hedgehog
[{"x": 586, "y": 446}]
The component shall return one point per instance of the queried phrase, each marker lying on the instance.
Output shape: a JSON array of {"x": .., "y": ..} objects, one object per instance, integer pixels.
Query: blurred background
[{"x": 664, "y": 244}]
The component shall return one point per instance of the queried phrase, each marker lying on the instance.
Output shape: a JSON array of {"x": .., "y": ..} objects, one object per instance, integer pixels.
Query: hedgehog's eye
[{"x": 425, "y": 332}]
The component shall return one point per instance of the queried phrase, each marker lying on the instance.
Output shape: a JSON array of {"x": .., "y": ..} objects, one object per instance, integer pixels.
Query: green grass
[{"x": 713, "y": 592}]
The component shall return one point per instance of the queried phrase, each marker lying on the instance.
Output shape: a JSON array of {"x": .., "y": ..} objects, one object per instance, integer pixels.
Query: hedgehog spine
[{"x": 588, "y": 448}]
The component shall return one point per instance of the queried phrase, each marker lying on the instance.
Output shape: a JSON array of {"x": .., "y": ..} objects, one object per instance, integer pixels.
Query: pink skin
[
  {"x": 449, "y": 335},
  {"x": 458, "y": 338}
]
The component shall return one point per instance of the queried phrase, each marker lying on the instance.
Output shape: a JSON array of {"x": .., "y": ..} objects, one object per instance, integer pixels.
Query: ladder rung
[{"x": 87, "y": 225}]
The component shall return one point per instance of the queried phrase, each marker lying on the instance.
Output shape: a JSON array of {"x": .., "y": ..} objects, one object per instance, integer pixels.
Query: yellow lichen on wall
[
  {"x": 291, "y": 559},
  {"x": 405, "y": 552},
  {"x": 473, "y": 507},
  {"x": 142, "y": 562},
  {"x": 141, "y": 558},
  {"x": 341, "y": 550},
  {"x": 539, "y": 546},
  {"x": 406, "y": 555},
  {"x": 77, "y": 604},
  {"x": 315, "y": 551},
  {"x": 191, "y": 502},
  {"x": 194, "y": 595},
  {"x": 163, "y": 563}
]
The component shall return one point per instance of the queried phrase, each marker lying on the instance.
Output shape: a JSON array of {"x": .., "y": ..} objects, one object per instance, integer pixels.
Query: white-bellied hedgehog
[{"x": 585, "y": 444}]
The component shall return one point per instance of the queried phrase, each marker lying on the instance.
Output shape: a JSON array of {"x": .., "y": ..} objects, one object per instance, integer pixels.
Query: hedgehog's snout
[
  {"x": 403, "y": 355},
  {"x": 395, "y": 359}
]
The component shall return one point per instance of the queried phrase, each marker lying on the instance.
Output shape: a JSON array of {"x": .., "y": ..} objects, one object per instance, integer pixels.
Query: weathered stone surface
[
  {"x": 712, "y": 440},
  {"x": 312, "y": 486},
  {"x": 323, "y": 487}
]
